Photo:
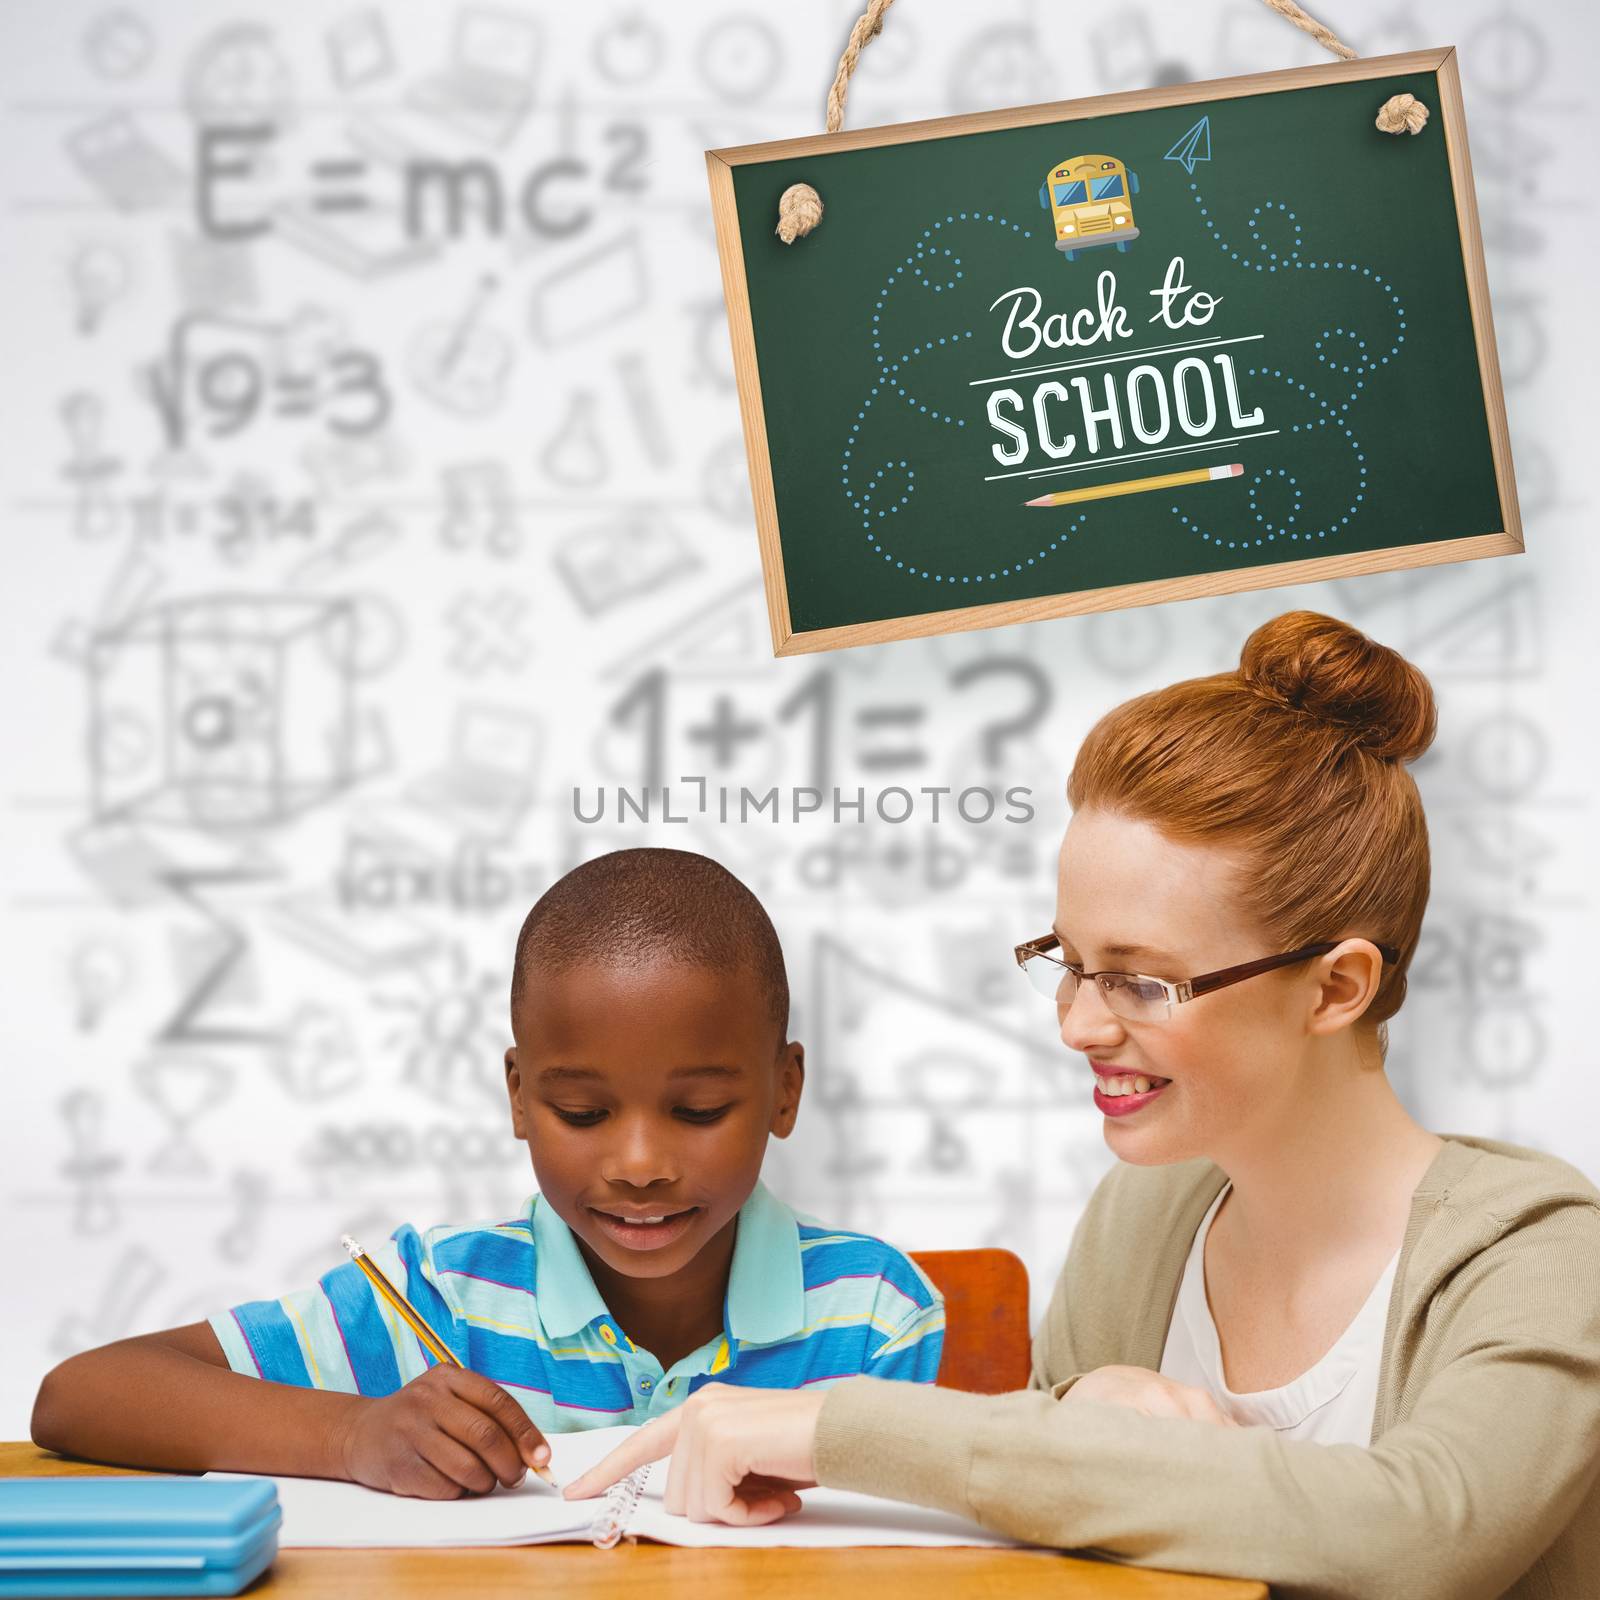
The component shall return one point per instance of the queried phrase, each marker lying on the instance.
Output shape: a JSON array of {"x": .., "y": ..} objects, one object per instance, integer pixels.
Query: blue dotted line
[
  {"x": 1255, "y": 485},
  {"x": 864, "y": 503},
  {"x": 890, "y": 374},
  {"x": 1350, "y": 360},
  {"x": 1290, "y": 259},
  {"x": 1331, "y": 419},
  {"x": 928, "y": 271}
]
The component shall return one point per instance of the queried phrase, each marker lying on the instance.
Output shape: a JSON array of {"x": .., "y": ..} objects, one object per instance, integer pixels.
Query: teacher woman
[{"x": 1298, "y": 1337}]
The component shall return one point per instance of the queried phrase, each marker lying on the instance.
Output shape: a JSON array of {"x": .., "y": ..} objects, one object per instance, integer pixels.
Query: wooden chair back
[{"x": 987, "y": 1347}]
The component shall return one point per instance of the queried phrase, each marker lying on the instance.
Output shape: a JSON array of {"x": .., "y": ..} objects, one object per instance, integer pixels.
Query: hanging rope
[
  {"x": 800, "y": 206},
  {"x": 1326, "y": 37}
]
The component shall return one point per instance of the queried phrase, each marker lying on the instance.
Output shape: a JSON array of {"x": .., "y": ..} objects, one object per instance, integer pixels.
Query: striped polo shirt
[{"x": 514, "y": 1300}]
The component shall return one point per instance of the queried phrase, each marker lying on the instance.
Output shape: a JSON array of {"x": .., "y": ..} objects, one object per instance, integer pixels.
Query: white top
[{"x": 1330, "y": 1403}]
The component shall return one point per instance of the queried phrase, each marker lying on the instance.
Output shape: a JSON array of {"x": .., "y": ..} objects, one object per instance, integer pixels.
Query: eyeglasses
[{"x": 1138, "y": 998}]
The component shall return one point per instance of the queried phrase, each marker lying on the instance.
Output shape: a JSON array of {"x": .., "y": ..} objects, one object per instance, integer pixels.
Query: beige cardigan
[{"x": 1482, "y": 1478}]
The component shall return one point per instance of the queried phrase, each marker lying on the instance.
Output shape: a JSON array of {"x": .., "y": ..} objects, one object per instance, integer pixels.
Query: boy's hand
[{"x": 448, "y": 1433}]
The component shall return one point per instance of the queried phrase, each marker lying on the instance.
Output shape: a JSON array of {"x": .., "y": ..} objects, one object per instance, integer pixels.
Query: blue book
[{"x": 143, "y": 1536}]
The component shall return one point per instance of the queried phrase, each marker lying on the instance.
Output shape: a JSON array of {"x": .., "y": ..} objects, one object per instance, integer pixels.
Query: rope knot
[
  {"x": 1402, "y": 113},
  {"x": 799, "y": 211}
]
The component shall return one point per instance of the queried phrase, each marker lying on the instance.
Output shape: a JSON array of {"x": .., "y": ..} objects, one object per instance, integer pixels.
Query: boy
[{"x": 649, "y": 1009}]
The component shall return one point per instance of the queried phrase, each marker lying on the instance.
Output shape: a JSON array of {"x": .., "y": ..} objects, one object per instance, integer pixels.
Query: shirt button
[
  {"x": 645, "y": 1386},
  {"x": 607, "y": 1333}
]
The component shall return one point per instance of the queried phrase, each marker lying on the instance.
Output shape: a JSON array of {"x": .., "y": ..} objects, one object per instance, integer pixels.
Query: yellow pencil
[
  {"x": 1165, "y": 480},
  {"x": 414, "y": 1320}
]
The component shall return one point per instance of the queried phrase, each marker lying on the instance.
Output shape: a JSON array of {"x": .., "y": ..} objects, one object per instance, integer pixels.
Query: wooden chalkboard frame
[{"x": 1449, "y": 116}]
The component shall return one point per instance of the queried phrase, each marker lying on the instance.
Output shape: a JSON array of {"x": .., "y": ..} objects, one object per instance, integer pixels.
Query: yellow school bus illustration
[{"x": 1090, "y": 201}]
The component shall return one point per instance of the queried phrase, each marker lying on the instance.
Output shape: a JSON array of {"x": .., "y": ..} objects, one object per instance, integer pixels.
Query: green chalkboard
[{"x": 1245, "y": 275}]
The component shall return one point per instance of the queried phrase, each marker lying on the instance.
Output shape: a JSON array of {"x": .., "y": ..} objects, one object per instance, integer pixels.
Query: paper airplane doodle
[{"x": 1194, "y": 146}]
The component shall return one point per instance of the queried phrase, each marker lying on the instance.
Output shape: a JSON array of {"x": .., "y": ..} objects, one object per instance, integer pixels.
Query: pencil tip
[
  {"x": 1043, "y": 500},
  {"x": 350, "y": 1245}
]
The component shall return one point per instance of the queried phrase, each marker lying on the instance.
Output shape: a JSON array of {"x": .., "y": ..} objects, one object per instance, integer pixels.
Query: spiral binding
[{"x": 616, "y": 1512}]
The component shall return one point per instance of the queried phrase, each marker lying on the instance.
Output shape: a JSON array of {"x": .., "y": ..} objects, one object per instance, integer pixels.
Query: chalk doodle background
[{"x": 343, "y": 545}]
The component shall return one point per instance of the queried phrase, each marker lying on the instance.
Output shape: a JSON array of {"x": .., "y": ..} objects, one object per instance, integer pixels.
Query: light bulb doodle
[
  {"x": 98, "y": 971},
  {"x": 98, "y": 276}
]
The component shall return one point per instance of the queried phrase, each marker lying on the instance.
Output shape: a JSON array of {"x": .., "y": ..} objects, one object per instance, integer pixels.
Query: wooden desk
[{"x": 661, "y": 1572}]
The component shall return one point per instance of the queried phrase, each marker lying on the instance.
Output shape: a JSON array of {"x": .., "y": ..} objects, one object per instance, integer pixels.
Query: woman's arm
[
  {"x": 1499, "y": 1452},
  {"x": 1057, "y": 1364}
]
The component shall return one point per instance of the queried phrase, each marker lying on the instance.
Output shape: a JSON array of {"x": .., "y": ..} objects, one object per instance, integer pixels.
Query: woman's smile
[{"x": 1118, "y": 1092}]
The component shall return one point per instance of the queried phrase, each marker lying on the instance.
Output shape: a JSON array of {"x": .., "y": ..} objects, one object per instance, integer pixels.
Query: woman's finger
[
  {"x": 725, "y": 1483},
  {"x": 674, "y": 1497},
  {"x": 770, "y": 1507},
  {"x": 717, "y": 1470},
  {"x": 759, "y": 1491},
  {"x": 748, "y": 1512},
  {"x": 695, "y": 1454},
  {"x": 654, "y": 1440},
  {"x": 706, "y": 1419},
  {"x": 674, "y": 1494}
]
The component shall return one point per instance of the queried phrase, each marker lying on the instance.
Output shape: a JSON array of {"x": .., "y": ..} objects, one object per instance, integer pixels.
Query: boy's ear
[
  {"x": 514, "y": 1089},
  {"x": 791, "y": 1069}
]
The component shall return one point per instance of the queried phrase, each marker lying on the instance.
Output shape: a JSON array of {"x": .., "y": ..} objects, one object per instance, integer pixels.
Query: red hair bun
[{"x": 1331, "y": 671}]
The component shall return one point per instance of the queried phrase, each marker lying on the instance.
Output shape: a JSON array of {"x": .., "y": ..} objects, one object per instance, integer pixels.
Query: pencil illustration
[{"x": 1164, "y": 480}]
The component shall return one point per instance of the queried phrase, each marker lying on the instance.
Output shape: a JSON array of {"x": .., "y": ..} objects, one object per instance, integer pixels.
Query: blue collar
[{"x": 766, "y": 1282}]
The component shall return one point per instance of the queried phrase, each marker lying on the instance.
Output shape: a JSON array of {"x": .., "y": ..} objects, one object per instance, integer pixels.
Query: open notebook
[{"x": 317, "y": 1512}]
